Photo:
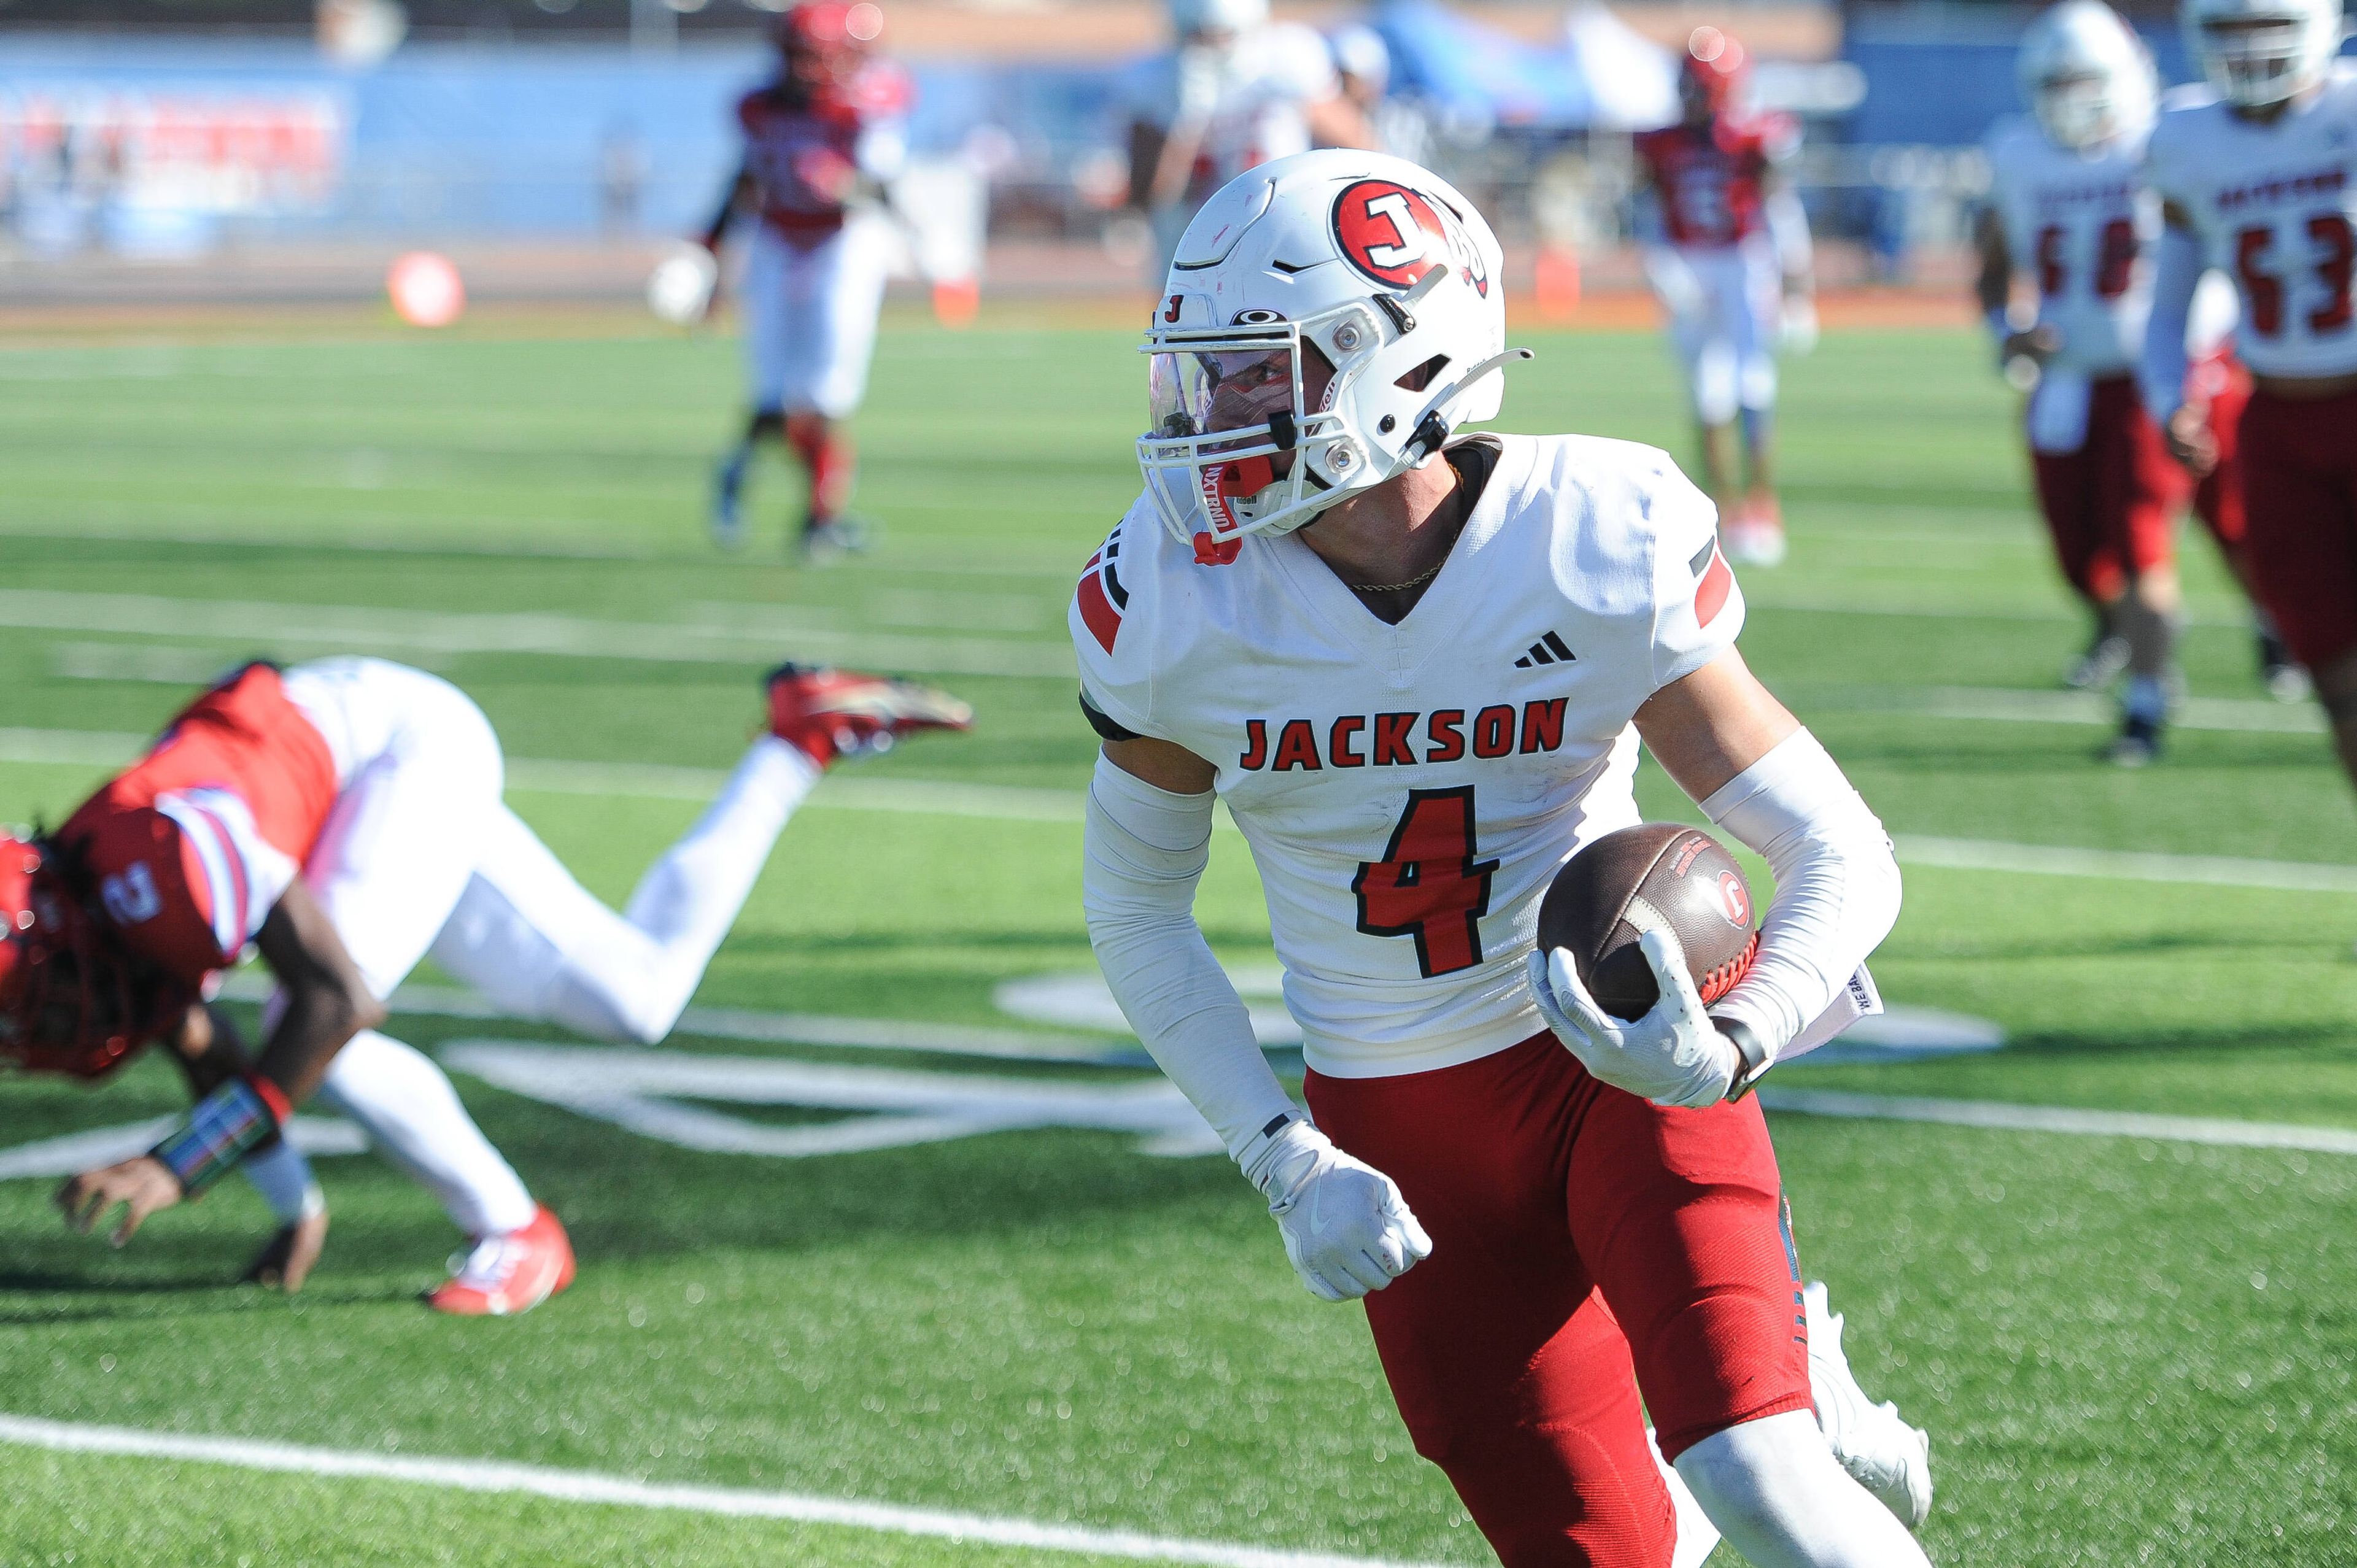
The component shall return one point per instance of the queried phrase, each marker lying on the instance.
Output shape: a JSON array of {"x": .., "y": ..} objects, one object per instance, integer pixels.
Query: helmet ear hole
[{"x": 1424, "y": 375}]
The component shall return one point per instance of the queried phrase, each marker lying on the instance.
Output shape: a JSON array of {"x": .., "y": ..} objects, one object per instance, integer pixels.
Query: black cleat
[{"x": 2138, "y": 743}]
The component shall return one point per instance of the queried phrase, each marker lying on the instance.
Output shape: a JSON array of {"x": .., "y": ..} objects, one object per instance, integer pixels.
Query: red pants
[
  {"x": 2112, "y": 505},
  {"x": 2299, "y": 483},
  {"x": 1586, "y": 1245}
]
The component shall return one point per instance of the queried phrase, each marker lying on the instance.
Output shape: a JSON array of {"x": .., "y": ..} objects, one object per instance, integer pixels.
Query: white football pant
[
  {"x": 420, "y": 855},
  {"x": 1724, "y": 321},
  {"x": 810, "y": 316}
]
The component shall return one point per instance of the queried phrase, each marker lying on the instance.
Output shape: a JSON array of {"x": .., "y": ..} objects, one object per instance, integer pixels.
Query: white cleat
[{"x": 1879, "y": 1450}]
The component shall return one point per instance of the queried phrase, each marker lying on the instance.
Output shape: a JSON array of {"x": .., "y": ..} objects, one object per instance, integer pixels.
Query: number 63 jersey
[
  {"x": 1408, "y": 791},
  {"x": 2274, "y": 205}
]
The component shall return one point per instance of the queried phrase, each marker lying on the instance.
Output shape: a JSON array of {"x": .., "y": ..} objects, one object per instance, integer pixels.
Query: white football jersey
[
  {"x": 1252, "y": 97},
  {"x": 2080, "y": 226},
  {"x": 2275, "y": 208},
  {"x": 1408, "y": 791}
]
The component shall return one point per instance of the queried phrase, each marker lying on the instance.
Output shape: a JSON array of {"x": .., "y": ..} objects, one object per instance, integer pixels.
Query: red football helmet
[
  {"x": 70, "y": 1000},
  {"x": 824, "y": 42},
  {"x": 1711, "y": 73}
]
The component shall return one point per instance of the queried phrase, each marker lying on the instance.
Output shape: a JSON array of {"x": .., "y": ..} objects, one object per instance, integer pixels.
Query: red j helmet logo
[
  {"x": 1397, "y": 235},
  {"x": 1734, "y": 900}
]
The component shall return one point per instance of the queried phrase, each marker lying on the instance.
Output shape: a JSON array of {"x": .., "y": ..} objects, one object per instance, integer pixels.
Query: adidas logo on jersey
[{"x": 1548, "y": 649}]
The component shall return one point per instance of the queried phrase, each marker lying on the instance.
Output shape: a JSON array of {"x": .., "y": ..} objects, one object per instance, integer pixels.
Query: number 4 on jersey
[{"x": 1428, "y": 885}]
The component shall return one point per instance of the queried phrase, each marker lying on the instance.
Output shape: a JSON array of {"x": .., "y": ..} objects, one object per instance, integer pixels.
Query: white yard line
[
  {"x": 621, "y": 1491},
  {"x": 2006, "y": 1117},
  {"x": 275, "y": 626},
  {"x": 2013, "y": 705},
  {"x": 928, "y": 797}
]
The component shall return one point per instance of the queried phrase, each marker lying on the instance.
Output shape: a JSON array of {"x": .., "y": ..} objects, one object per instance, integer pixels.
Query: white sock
[
  {"x": 282, "y": 1176},
  {"x": 1783, "y": 1500},
  {"x": 411, "y": 1115}
]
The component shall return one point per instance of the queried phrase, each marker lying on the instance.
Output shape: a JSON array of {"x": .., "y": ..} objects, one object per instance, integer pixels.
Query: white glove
[
  {"x": 1347, "y": 1229},
  {"x": 1671, "y": 1055}
]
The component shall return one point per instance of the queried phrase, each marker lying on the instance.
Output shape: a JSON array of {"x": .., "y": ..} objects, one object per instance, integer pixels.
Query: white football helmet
[
  {"x": 2259, "y": 53},
  {"x": 1331, "y": 318},
  {"x": 2085, "y": 74},
  {"x": 1189, "y": 16}
]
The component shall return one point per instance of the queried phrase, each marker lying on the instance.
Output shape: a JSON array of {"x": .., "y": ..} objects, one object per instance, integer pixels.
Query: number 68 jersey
[
  {"x": 1408, "y": 791},
  {"x": 2079, "y": 224},
  {"x": 2274, "y": 205}
]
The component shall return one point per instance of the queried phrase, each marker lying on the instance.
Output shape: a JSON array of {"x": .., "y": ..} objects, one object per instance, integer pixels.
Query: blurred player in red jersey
[
  {"x": 1727, "y": 250},
  {"x": 828, "y": 131},
  {"x": 344, "y": 818}
]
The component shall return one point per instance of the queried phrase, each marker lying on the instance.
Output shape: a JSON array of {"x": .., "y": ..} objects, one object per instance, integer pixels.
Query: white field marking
[
  {"x": 352, "y": 626},
  {"x": 2005, "y": 1117},
  {"x": 1922, "y": 609},
  {"x": 77, "y": 1152},
  {"x": 621, "y": 1491},
  {"x": 770, "y": 1029},
  {"x": 655, "y": 781},
  {"x": 938, "y": 797},
  {"x": 2127, "y": 865},
  {"x": 643, "y": 1092},
  {"x": 2012, "y": 705}
]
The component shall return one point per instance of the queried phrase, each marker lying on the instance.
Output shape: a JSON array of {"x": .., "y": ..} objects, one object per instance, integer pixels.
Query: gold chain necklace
[{"x": 1418, "y": 581}]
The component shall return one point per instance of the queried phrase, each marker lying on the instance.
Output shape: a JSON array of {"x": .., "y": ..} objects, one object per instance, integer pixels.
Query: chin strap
[{"x": 1432, "y": 430}]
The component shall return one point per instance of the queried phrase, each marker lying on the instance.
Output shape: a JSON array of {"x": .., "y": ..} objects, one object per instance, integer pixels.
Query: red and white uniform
[
  {"x": 380, "y": 786},
  {"x": 1408, "y": 791},
  {"x": 2081, "y": 224},
  {"x": 1713, "y": 263},
  {"x": 815, "y": 271},
  {"x": 2275, "y": 206}
]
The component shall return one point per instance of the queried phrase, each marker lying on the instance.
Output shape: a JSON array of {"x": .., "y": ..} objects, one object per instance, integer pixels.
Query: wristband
[
  {"x": 218, "y": 1131},
  {"x": 1753, "y": 1057}
]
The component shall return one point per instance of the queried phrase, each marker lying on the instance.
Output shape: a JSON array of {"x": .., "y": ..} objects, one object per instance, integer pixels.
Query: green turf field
[{"x": 2128, "y": 1349}]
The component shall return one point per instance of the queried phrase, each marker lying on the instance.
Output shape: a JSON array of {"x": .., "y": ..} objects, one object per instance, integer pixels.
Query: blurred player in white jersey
[
  {"x": 1728, "y": 251},
  {"x": 344, "y": 818},
  {"x": 1235, "y": 90},
  {"x": 2257, "y": 175},
  {"x": 820, "y": 143},
  {"x": 1416, "y": 667}
]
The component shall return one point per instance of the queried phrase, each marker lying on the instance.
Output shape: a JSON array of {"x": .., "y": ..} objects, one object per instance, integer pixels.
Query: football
[{"x": 1627, "y": 883}]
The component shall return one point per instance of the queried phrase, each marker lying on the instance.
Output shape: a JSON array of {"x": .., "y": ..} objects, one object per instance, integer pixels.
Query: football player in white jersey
[
  {"x": 1416, "y": 667},
  {"x": 2259, "y": 177},
  {"x": 2066, "y": 282},
  {"x": 1235, "y": 91}
]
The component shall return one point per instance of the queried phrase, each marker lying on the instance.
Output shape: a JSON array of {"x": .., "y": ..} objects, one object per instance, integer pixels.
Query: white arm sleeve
[
  {"x": 2177, "y": 272},
  {"x": 1836, "y": 885},
  {"x": 1144, "y": 849},
  {"x": 1788, "y": 229}
]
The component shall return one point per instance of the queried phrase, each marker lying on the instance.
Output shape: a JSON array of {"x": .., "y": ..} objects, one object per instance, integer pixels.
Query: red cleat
[
  {"x": 833, "y": 713},
  {"x": 507, "y": 1275}
]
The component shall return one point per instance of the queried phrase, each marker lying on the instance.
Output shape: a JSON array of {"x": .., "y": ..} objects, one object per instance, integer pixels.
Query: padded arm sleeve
[
  {"x": 1836, "y": 885},
  {"x": 2176, "y": 272},
  {"x": 1144, "y": 850}
]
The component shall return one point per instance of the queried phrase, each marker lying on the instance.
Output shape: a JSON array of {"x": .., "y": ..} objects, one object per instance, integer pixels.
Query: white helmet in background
[
  {"x": 2259, "y": 53},
  {"x": 2085, "y": 74},
  {"x": 1187, "y": 16},
  {"x": 1330, "y": 320}
]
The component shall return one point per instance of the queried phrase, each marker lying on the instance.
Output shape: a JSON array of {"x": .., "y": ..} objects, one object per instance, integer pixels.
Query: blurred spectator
[
  {"x": 621, "y": 177},
  {"x": 1235, "y": 91}
]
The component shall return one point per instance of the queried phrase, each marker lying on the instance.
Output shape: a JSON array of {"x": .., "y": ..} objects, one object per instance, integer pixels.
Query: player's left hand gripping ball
[
  {"x": 1673, "y": 1056},
  {"x": 1347, "y": 1229}
]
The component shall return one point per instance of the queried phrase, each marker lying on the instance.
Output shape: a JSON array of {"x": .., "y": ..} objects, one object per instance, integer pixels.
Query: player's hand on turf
[
  {"x": 142, "y": 1185},
  {"x": 1673, "y": 1056},
  {"x": 288, "y": 1258},
  {"x": 1347, "y": 1229},
  {"x": 2191, "y": 440}
]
